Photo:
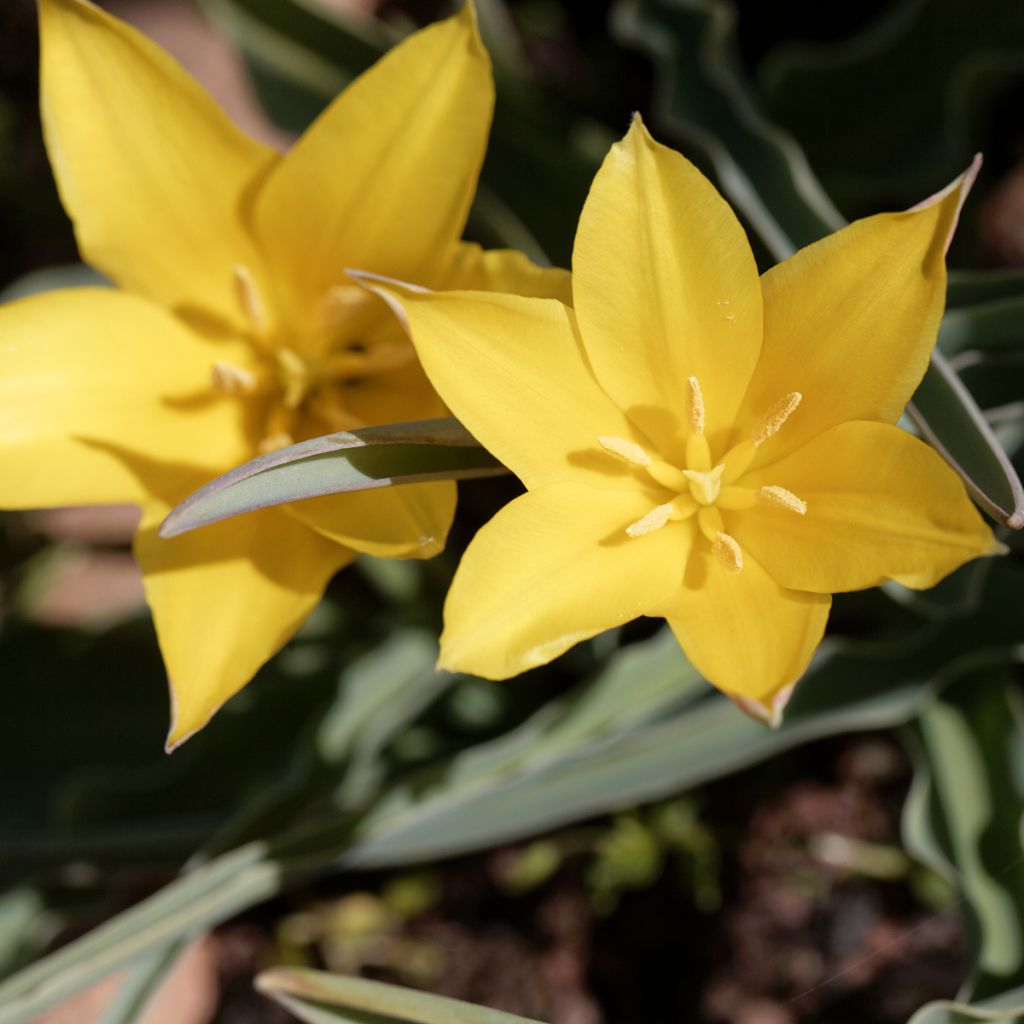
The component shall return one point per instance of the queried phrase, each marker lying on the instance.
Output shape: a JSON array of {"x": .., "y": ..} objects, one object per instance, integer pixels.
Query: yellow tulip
[
  {"x": 234, "y": 329},
  {"x": 698, "y": 443}
]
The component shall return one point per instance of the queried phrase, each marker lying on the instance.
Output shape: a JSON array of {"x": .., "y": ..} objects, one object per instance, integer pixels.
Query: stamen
[
  {"x": 710, "y": 521},
  {"x": 777, "y": 415},
  {"x": 696, "y": 406},
  {"x": 774, "y": 495},
  {"x": 248, "y": 294},
  {"x": 232, "y": 379},
  {"x": 342, "y": 302},
  {"x": 736, "y": 499},
  {"x": 728, "y": 552},
  {"x": 625, "y": 450},
  {"x": 667, "y": 475},
  {"x": 654, "y": 520}
]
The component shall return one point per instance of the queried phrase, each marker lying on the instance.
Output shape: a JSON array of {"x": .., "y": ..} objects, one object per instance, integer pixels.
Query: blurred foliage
[{"x": 349, "y": 751}]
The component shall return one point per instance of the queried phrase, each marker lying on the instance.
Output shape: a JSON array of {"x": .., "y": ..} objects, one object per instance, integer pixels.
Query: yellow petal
[
  {"x": 506, "y": 270},
  {"x": 665, "y": 288},
  {"x": 850, "y": 321},
  {"x": 151, "y": 171},
  {"x": 880, "y": 505},
  {"x": 87, "y": 372},
  {"x": 225, "y": 599},
  {"x": 384, "y": 177},
  {"x": 552, "y": 568},
  {"x": 512, "y": 370},
  {"x": 409, "y": 521},
  {"x": 742, "y": 631}
]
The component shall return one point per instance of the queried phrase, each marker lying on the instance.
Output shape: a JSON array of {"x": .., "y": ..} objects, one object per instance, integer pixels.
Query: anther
[
  {"x": 274, "y": 442},
  {"x": 341, "y": 302},
  {"x": 774, "y": 495},
  {"x": 777, "y": 415},
  {"x": 232, "y": 379},
  {"x": 654, "y": 520},
  {"x": 248, "y": 294},
  {"x": 728, "y": 552},
  {"x": 294, "y": 377},
  {"x": 696, "y": 406},
  {"x": 625, "y": 450}
]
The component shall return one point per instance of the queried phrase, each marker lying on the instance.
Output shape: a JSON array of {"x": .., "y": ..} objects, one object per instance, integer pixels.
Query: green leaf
[
  {"x": 949, "y": 418},
  {"x": 963, "y": 819},
  {"x": 70, "y": 275},
  {"x": 992, "y": 325},
  {"x": 321, "y": 998},
  {"x": 358, "y": 460}
]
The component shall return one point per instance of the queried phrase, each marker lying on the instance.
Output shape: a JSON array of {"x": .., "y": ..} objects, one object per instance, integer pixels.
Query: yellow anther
[
  {"x": 736, "y": 499},
  {"x": 777, "y": 415},
  {"x": 775, "y": 495},
  {"x": 709, "y": 519},
  {"x": 728, "y": 552},
  {"x": 248, "y": 294},
  {"x": 696, "y": 406},
  {"x": 232, "y": 379},
  {"x": 704, "y": 486},
  {"x": 625, "y": 450},
  {"x": 654, "y": 520}
]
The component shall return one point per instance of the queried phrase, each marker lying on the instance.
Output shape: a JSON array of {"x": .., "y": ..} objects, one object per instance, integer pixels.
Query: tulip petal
[
  {"x": 880, "y": 505},
  {"x": 553, "y": 567},
  {"x": 409, "y": 521},
  {"x": 850, "y": 321},
  {"x": 150, "y": 169},
  {"x": 743, "y": 632},
  {"x": 506, "y": 270},
  {"x": 383, "y": 179},
  {"x": 85, "y": 370},
  {"x": 225, "y": 599},
  {"x": 512, "y": 370},
  {"x": 665, "y": 287}
]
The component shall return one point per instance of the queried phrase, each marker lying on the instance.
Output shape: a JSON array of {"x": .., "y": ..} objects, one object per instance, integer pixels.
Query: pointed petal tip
[
  {"x": 770, "y": 715},
  {"x": 960, "y": 187},
  {"x": 390, "y": 290},
  {"x": 178, "y": 733}
]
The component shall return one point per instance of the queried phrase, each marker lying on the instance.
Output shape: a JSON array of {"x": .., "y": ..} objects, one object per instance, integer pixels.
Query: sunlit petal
[
  {"x": 384, "y": 177},
  {"x": 225, "y": 599},
  {"x": 511, "y": 369},
  {"x": 506, "y": 270},
  {"x": 665, "y": 288},
  {"x": 742, "y": 631},
  {"x": 880, "y": 505},
  {"x": 850, "y": 321},
  {"x": 150, "y": 169},
  {"x": 552, "y": 568},
  {"x": 88, "y": 370}
]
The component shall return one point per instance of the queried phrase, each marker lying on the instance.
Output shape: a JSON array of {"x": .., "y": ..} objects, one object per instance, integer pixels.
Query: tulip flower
[
  {"x": 697, "y": 442},
  {"x": 233, "y": 329}
]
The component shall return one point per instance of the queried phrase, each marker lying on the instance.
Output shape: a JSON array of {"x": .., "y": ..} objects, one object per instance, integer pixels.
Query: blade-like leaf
[
  {"x": 964, "y": 816},
  {"x": 358, "y": 460},
  {"x": 321, "y": 998},
  {"x": 950, "y": 419}
]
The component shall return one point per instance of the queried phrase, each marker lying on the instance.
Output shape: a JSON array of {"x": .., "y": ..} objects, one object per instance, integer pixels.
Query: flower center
[
  {"x": 305, "y": 382},
  {"x": 704, "y": 488}
]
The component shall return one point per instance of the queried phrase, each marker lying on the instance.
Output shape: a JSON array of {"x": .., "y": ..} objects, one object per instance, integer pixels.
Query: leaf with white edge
[
  {"x": 321, "y": 998},
  {"x": 962, "y": 818},
  {"x": 357, "y": 460},
  {"x": 949, "y": 418}
]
